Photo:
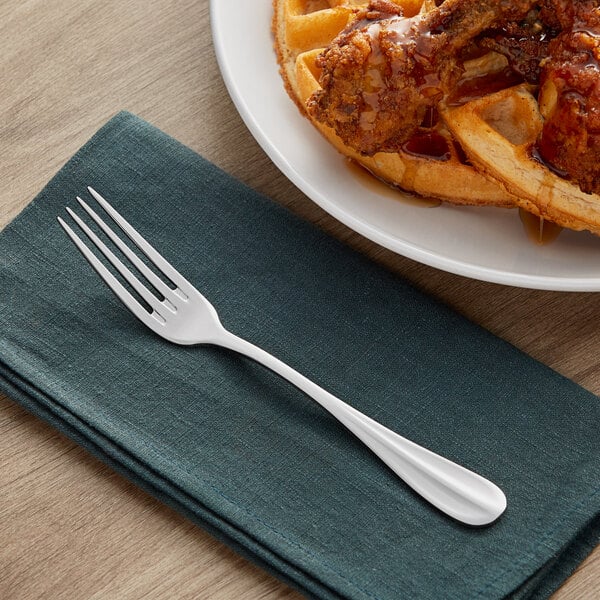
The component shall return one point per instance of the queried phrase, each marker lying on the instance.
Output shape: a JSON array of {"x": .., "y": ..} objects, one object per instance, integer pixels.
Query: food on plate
[{"x": 481, "y": 102}]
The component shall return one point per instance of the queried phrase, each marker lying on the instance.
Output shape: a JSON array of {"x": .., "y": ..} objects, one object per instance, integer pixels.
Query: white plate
[{"x": 488, "y": 244}]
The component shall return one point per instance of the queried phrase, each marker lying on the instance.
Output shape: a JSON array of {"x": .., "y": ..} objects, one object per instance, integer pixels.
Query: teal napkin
[{"x": 247, "y": 456}]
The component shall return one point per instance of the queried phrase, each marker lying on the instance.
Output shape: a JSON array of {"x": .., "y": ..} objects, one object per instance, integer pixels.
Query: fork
[{"x": 184, "y": 316}]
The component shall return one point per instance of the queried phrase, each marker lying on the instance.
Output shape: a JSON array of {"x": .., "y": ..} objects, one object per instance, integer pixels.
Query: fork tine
[
  {"x": 163, "y": 265},
  {"x": 158, "y": 283},
  {"x": 136, "y": 284},
  {"x": 152, "y": 320}
]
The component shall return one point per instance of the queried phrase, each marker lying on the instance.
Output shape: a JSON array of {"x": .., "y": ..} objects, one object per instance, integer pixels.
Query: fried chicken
[
  {"x": 523, "y": 43},
  {"x": 382, "y": 76},
  {"x": 570, "y": 95}
]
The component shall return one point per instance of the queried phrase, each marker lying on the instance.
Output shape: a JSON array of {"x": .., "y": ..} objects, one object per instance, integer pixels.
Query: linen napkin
[{"x": 246, "y": 455}]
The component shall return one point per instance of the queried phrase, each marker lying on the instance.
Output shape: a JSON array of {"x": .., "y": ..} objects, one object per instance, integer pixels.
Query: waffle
[
  {"x": 498, "y": 132},
  {"x": 479, "y": 152},
  {"x": 434, "y": 165}
]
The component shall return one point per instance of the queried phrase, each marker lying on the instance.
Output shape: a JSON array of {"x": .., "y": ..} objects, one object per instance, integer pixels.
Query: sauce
[
  {"x": 410, "y": 33},
  {"x": 538, "y": 230},
  {"x": 428, "y": 144},
  {"x": 477, "y": 87},
  {"x": 542, "y": 149},
  {"x": 371, "y": 182}
]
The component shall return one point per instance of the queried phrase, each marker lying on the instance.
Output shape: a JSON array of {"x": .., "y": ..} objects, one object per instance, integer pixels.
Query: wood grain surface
[{"x": 69, "y": 527}]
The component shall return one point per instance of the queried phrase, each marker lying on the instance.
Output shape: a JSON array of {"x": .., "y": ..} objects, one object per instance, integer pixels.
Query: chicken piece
[
  {"x": 570, "y": 95},
  {"x": 524, "y": 43},
  {"x": 382, "y": 75}
]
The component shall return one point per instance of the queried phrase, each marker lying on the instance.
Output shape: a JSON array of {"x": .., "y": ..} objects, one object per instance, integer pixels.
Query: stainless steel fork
[{"x": 184, "y": 316}]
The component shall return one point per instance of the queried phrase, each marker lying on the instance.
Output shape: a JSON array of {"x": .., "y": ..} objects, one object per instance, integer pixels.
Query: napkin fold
[{"x": 247, "y": 456}]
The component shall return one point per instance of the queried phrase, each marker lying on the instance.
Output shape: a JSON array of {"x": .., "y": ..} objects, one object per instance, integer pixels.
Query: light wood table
[{"x": 69, "y": 527}]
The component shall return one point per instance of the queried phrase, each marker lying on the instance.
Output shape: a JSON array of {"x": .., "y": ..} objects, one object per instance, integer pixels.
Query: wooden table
[{"x": 69, "y": 527}]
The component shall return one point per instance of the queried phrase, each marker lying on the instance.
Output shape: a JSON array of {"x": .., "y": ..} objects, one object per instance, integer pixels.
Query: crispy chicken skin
[
  {"x": 382, "y": 75},
  {"x": 570, "y": 94}
]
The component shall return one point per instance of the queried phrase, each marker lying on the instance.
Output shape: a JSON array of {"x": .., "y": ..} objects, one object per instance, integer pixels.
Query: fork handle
[{"x": 458, "y": 492}]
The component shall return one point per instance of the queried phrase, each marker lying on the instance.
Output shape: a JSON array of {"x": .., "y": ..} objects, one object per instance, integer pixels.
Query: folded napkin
[{"x": 247, "y": 456}]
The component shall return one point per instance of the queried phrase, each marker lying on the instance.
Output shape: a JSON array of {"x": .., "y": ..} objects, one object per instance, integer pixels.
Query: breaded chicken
[
  {"x": 383, "y": 74},
  {"x": 570, "y": 95}
]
